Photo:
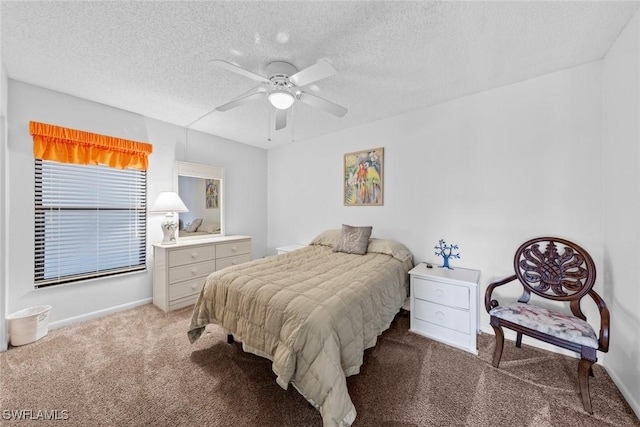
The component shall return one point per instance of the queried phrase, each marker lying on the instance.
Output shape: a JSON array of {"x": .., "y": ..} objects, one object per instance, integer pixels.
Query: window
[
  {"x": 90, "y": 204},
  {"x": 90, "y": 221}
]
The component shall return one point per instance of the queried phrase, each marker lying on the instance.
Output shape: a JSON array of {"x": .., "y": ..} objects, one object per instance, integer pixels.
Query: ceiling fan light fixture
[{"x": 281, "y": 99}]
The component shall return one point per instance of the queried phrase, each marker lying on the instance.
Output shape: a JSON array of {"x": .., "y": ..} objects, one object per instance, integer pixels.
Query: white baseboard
[
  {"x": 629, "y": 397},
  {"x": 77, "y": 319}
]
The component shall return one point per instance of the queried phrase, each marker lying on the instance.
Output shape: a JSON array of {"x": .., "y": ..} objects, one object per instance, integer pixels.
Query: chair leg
[
  {"x": 519, "y": 340},
  {"x": 497, "y": 352},
  {"x": 584, "y": 369}
]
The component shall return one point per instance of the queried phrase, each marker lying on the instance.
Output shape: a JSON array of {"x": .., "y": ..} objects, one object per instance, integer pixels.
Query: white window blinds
[{"x": 90, "y": 221}]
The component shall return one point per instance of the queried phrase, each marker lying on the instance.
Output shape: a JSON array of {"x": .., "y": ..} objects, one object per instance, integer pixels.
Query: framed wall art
[
  {"x": 211, "y": 193},
  {"x": 363, "y": 178}
]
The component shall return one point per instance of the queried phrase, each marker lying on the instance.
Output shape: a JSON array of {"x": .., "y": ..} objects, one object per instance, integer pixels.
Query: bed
[
  {"x": 198, "y": 227},
  {"x": 312, "y": 312}
]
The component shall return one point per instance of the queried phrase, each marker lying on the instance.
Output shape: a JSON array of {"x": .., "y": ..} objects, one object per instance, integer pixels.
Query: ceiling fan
[{"x": 283, "y": 86}]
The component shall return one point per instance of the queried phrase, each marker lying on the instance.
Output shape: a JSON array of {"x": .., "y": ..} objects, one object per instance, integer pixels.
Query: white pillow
[
  {"x": 390, "y": 247},
  {"x": 209, "y": 227},
  {"x": 326, "y": 238}
]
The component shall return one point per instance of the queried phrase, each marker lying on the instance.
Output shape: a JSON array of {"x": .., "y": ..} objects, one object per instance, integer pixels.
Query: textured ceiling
[{"x": 152, "y": 58}]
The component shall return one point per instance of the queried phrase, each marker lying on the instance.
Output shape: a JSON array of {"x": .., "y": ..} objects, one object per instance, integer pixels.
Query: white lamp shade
[
  {"x": 281, "y": 99},
  {"x": 168, "y": 201}
]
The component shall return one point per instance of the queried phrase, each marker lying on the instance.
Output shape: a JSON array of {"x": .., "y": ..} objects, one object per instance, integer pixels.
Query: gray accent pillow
[
  {"x": 353, "y": 240},
  {"x": 193, "y": 227}
]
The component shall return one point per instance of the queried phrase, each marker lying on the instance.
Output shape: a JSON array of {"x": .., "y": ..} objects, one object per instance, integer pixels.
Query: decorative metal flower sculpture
[{"x": 446, "y": 252}]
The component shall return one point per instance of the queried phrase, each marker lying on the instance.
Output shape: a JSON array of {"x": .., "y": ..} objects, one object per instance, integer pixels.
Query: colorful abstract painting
[
  {"x": 363, "y": 178},
  {"x": 211, "y": 193}
]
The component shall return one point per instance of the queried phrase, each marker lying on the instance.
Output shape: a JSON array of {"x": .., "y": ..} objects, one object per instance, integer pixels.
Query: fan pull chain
[
  {"x": 269, "y": 124},
  {"x": 292, "y": 124}
]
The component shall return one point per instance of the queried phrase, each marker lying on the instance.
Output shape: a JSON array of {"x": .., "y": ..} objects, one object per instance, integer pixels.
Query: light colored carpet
[{"x": 137, "y": 368}]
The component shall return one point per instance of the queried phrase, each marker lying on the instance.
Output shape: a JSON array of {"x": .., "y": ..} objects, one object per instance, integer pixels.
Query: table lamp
[{"x": 168, "y": 202}]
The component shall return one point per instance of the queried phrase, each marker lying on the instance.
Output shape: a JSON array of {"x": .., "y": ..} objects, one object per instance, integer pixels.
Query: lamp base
[{"x": 169, "y": 227}]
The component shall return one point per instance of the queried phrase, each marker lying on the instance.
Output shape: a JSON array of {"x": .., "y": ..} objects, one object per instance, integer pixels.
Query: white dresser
[
  {"x": 444, "y": 305},
  {"x": 179, "y": 270}
]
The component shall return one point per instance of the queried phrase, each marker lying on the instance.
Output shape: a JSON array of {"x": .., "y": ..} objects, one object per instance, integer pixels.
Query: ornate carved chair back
[{"x": 565, "y": 276}]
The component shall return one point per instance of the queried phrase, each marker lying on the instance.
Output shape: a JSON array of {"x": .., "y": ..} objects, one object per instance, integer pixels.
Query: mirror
[{"x": 201, "y": 188}]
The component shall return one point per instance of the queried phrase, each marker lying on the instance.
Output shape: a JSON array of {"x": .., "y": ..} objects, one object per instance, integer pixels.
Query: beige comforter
[{"x": 312, "y": 312}]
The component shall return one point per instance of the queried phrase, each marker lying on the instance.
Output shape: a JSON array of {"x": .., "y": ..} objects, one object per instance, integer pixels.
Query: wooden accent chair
[{"x": 567, "y": 276}]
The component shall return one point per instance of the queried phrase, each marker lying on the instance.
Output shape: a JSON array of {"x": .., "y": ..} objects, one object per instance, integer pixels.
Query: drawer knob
[
  {"x": 439, "y": 315},
  {"x": 194, "y": 270},
  {"x": 194, "y": 255},
  {"x": 234, "y": 262},
  {"x": 194, "y": 286},
  {"x": 234, "y": 248},
  {"x": 439, "y": 293}
]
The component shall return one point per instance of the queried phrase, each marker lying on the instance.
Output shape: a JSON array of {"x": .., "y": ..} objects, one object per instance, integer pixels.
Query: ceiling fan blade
[
  {"x": 313, "y": 73},
  {"x": 281, "y": 119},
  {"x": 242, "y": 99},
  {"x": 323, "y": 104},
  {"x": 238, "y": 70}
]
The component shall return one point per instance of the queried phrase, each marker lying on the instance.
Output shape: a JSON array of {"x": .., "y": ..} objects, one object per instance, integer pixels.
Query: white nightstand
[
  {"x": 444, "y": 305},
  {"x": 289, "y": 248}
]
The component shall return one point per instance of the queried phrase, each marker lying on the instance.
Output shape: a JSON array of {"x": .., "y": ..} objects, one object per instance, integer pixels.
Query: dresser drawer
[
  {"x": 181, "y": 269},
  {"x": 234, "y": 260},
  {"x": 183, "y": 289},
  {"x": 191, "y": 255},
  {"x": 191, "y": 271},
  {"x": 441, "y": 315},
  {"x": 441, "y": 293},
  {"x": 183, "y": 302},
  {"x": 232, "y": 249}
]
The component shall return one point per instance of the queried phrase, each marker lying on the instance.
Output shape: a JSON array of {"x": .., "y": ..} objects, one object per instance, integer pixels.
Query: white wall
[
  {"x": 621, "y": 208},
  {"x": 486, "y": 172},
  {"x": 245, "y": 183},
  {"x": 4, "y": 83},
  {"x": 246, "y": 170}
]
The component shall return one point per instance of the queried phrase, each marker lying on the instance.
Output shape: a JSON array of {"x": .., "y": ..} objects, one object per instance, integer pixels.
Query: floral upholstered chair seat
[{"x": 554, "y": 323}]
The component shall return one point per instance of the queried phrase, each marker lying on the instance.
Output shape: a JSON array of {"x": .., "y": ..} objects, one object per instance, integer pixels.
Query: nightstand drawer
[
  {"x": 442, "y": 334},
  {"x": 183, "y": 289},
  {"x": 191, "y": 271},
  {"x": 441, "y": 293},
  {"x": 448, "y": 317},
  {"x": 191, "y": 255},
  {"x": 234, "y": 260},
  {"x": 232, "y": 249}
]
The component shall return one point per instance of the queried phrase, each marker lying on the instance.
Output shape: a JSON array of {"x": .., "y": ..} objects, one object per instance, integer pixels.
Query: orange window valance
[{"x": 75, "y": 146}]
